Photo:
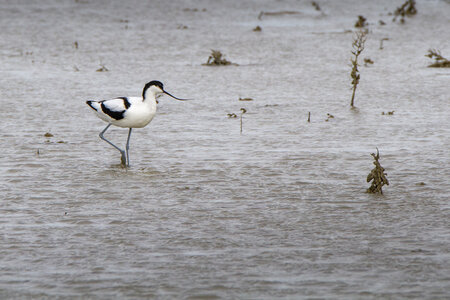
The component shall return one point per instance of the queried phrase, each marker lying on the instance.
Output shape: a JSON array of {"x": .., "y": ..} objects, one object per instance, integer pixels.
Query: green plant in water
[
  {"x": 358, "y": 47},
  {"x": 377, "y": 176}
]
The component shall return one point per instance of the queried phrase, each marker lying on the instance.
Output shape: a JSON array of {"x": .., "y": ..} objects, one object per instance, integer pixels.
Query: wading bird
[{"x": 129, "y": 112}]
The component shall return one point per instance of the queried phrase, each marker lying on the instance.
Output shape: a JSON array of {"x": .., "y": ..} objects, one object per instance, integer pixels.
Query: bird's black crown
[{"x": 149, "y": 84}]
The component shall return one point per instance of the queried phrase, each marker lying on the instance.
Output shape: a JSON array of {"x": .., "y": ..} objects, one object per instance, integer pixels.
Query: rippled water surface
[{"x": 204, "y": 212}]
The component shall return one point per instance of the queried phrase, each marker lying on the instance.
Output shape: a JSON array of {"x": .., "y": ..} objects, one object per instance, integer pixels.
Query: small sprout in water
[
  {"x": 75, "y": 68},
  {"x": 316, "y": 5},
  {"x": 232, "y": 115},
  {"x": 243, "y": 111},
  {"x": 75, "y": 44},
  {"x": 361, "y": 23},
  {"x": 48, "y": 134},
  {"x": 245, "y": 99},
  {"x": 257, "y": 28},
  {"x": 381, "y": 42},
  {"x": 38, "y": 152},
  {"x": 377, "y": 176},
  {"x": 309, "y": 117}
]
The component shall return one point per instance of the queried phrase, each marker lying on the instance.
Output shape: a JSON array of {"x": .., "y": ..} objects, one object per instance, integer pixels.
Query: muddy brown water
[{"x": 204, "y": 212}]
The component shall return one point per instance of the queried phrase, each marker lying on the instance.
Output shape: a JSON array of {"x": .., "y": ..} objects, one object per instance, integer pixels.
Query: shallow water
[{"x": 205, "y": 212}]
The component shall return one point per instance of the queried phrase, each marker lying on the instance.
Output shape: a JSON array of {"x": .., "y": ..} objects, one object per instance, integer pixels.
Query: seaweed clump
[
  {"x": 216, "y": 59},
  {"x": 440, "y": 61},
  {"x": 377, "y": 176},
  {"x": 408, "y": 9}
]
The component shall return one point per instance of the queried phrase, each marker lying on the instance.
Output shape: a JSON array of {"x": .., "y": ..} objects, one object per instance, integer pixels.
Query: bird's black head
[
  {"x": 151, "y": 83},
  {"x": 158, "y": 84}
]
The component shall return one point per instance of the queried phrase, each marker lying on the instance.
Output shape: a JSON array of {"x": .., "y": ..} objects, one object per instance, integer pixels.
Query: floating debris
[
  {"x": 389, "y": 113},
  {"x": 182, "y": 27},
  {"x": 75, "y": 44},
  {"x": 232, "y": 115},
  {"x": 102, "y": 69},
  {"x": 381, "y": 22},
  {"x": 216, "y": 59},
  {"x": 440, "y": 61},
  {"x": 377, "y": 176},
  {"x": 361, "y": 23},
  {"x": 257, "y": 29},
  {"x": 48, "y": 134},
  {"x": 194, "y": 9},
  {"x": 278, "y": 13},
  {"x": 368, "y": 61},
  {"x": 329, "y": 116},
  {"x": 245, "y": 99}
]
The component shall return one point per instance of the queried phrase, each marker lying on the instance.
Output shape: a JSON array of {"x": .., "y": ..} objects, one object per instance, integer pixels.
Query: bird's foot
[{"x": 123, "y": 159}]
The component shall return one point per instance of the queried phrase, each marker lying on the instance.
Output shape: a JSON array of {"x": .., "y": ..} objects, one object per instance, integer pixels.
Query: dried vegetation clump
[
  {"x": 377, "y": 176},
  {"x": 217, "y": 59},
  {"x": 408, "y": 9},
  {"x": 439, "y": 60},
  {"x": 361, "y": 23}
]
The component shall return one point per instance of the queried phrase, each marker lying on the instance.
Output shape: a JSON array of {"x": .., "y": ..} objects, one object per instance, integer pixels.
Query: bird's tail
[{"x": 92, "y": 103}]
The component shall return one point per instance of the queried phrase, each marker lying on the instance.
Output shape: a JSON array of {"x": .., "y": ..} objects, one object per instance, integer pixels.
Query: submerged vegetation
[
  {"x": 377, "y": 176},
  {"x": 439, "y": 60},
  {"x": 358, "y": 47}
]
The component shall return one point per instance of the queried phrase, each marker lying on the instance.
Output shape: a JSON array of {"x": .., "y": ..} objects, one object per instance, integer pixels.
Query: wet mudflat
[{"x": 279, "y": 211}]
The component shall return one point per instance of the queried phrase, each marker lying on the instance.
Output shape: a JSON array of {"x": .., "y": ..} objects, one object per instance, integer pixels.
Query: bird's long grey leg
[
  {"x": 128, "y": 147},
  {"x": 123, "y": 159}
]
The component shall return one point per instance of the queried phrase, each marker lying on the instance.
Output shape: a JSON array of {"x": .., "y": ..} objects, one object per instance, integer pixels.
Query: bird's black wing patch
[
  {"x": 126, "y": 103},
  {"x": 117, "y": 115}
]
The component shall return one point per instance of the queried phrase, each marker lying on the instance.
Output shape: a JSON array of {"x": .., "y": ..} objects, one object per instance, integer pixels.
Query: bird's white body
[
  {"x": 138, "y": 114},
  {"x": 128, "y": 112}
]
